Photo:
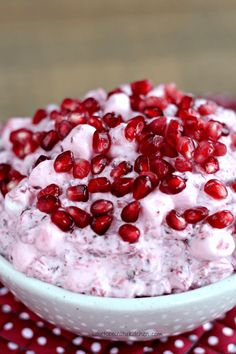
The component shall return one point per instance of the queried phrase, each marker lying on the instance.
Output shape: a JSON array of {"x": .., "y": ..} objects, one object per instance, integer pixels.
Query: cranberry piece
[
  {"x": 142, "y": 164},
  {"x": 221, "y": 219},
  {"x": 80, "y": 217},
  {"x": 101, "y": 142},
  {"x": 99, "y": 185},
  {"x": 213, "y": 130},
  {"x": 134, "y": 127},
  {"x": 211, "y": 165},
  {"x": 97, "y": 123},
  {"x": 207, "y": 108},
  {"x": 183, "y": 165},
  {"x": 216, "y": 189},
  {"x": 4, "y": 170},
  {"x": 233, "y": 186},
  {"x": 70, "y": 104},
  {"x": 141, "y": 87},
  {"x": 112, "y": 119},
  {"x": 48, "y": 204},
  {"x": 194, "y": 215},
  {"x": 91, "y": 105},
  {"x": 152, "y": 112},
  {"x": 176, "y": 221},
  {"x": 62, "y": 219},
  {"x": 130, "y": 212},
  {"x": 101, "y": 224},
  {"x": 161, "y": 167},
  {"x": 203, "y": 151},
  {"x": 98, "y": 163},
  {"x": 129, "y": 233},
  {"x": 186, "y": 102},
  {"x": 122, "y": 186},
  {"x": 220, "y": 149},
  {"x": 50, "y": 140},
  {"x": 64, "y": 162},
  {"x": 41, "y": 159},
  {"x": 142, "y": 187},
  {"x": 173, "y": 184},
  {"x": 185, "y": 146},
  {"x": 123, "y": 168},
  {"x": 39, "y": 115},
  {"x": 158, "y": 126},
  {"x": 81, "y": 168},
  {"x": 150, "y": 144},
  {"x": 78, "y": 193},
  {"x": 101, "y": 207},
  {"x": 64, "y": 128},
  {"x": 52, "y": 189}
]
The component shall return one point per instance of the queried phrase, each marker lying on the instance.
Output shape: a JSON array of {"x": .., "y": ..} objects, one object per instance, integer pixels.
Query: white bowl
[{"x": 122, "y": 319}]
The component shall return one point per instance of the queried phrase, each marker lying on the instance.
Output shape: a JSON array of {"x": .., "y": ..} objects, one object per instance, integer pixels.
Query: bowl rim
[{"x": 163, "y": 302}]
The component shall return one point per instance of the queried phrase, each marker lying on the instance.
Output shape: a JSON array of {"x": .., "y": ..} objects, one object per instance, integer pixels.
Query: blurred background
[{"x": 51, "y": 49}]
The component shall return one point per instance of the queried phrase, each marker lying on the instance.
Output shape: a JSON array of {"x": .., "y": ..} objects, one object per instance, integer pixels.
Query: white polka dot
[
  {"x": 24, "y": 316},
  {"x": 8, "y": 326},
  {"x": 179, "y": 343},
  {"x": 42, "y": 340},
  {"x": 193, "y": 337},
  {"x": 30, "y": 352},
  {"x": 40, "y": 324},
  {"x": 198, "y": 350},
  {"x": 114, "y": 350},
  {"x": 207, "y": 326},
  {"x": 6, "y": 308},
  {"x": 163, "y": 339},
  {"x": 96, "y": 347},
  {"x": 231, "y": 348},
  {"x": 12, "y": 346},
  {"x": 147, "y": 349},
  {"x": 227, "y": 331},
  {"x": 60, "y": 350},
  {"x": 167, "y": 352},
  {"x": 56, "y": 331},
  {"x": 213, "y": 340},
  {"x": 80, "y": 352},
  {"x": 4, "y": 291},
  {"x": 27, "y": 333},
  {"x": 77, "y": 340}
]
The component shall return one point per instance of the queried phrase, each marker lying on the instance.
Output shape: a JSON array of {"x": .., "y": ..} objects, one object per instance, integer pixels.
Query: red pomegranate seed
[
  {"x": 221, "y": 219},
  {"x": 142, "y": 164},
  {"x": 173, "y": 185},
  {"x": 172, "y": 94},
  {"x": 52, "y": 189},
  {"x": 122, "y": 186},
  {"x": 233, "y": 185},
  {"x": 213, "y": 130},
  {"x": 142, "y": 187},
  {"x": 78, "y": 117},
  {"x": 129, "y": 233},
  {"x": 41, "y": 159},
  {"x": 155, "y": 102},
  {"x": 64, "y": 162},
  {"x": 70, "y": 104},
  {"x": 13, "y": 179},
  {"x": 99, "y": 185},
  {"x": 158, "y": 126},
  {"x": 101, "y": 224},
  {"x": 121, "y": 169},
  {"x": 150, "y": 144},
  {"x": 211, "y": 165},
  {"x": 39, "y": 115},
  {"x": 186, "y": 102},
  {"x": 188, "y": 114},
  {"x": 220, "y": 149},
  {"x": 80, "y": 217},
  {"x": 233, "y": 138},
  {"x": 203, "y": 151},
  {"x": 176, "y": 221},
  {"x": 141, "y": 87},
  {"x": 62, "y": 219},
  {"x": 101, "y": 207},
  {"x": 4, "y": 170},
  {"x": 183, "y": 165},
  {"x": 81, "y": 168},
  {"x": 152, "y": 112},
  {"x": 98, "y": 163},
  {"x": 37, "y": 137},
  {"x": 91, "y": 105},
  {"x": 136, "y": 103},
  {"x": 50, "y": 140},
  {"x": 134, "y": 127},
  {"x": 21, "y": 150},
  {"x": 97, "y": 123},
  {"x": 185, "y": 146},
  {"x": 20, "y": 136},
  {"x": 64, "y": 128},
  {"x": 195, "y": 215},
  {"x": 48, "y": 204},
  {"x": 174, "y": 127},
  {"x": 152, "y": 176},
  {"x": 130, "y": 212},
  {"x": 207, "y": 108},
  {"x": 78, "y": 193},
  {"x": 101, "y": 142},
  {"x": 161, "y": 168},
  {"x": 216, "y": 189},
  {"x": 112, "y": 119},
  {"x": 225, "y": 129},
  {"x": 168, "y": 150}
]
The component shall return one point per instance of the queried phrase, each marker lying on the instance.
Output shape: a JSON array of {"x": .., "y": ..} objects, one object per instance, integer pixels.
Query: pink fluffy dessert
[{"x": 122, "y": 194}]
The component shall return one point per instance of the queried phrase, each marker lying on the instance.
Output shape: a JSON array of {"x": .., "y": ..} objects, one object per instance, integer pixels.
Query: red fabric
[{"x": 21, "y": 331}]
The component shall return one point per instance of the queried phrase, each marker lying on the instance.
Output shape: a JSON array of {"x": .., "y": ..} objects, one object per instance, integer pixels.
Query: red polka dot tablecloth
[{"x": 21, "y": 331}]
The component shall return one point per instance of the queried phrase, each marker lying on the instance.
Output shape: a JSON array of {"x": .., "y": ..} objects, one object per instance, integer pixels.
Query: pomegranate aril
[
  {"x": 216, "y": 189},
  {"x": 98, "y": 163},
  {"x": 221, "y": 219},
  {"x": 213, "y": 130},
  {"x": 101, "y": 224},
  {"x": 64, "y": 162},
  {"x": 142, "y": 187},
  {"x": 142, "y": 164},
  {"x": 62, "y": 219},
  {"x": 4, "y": 170},
  {"x": 150, "y": 144},
  {"x": 152, "y": 176},
  {"x": 161, "y": 168},
  {"x": 21, "y": 150},
  {"x": 141, "y": 87},
  {"x": 101, "y": 142},
  {"x": 78, "y": 193},
  {"x": 101, "y": 207},
  {"x": 123, "y": 168},
  {"x": 195, "y": 215},
  {"x": 186, "y": 114},
  {"x": 168, "y": 150},
  {"x": 52, "y": 189},
  {"x": 173, "y": 95},
  {"x": 152, "y": 112},
  {"x": 21, "y": 135},
  {"x": 122, "y": 186},
  {"x": 81, "y": 168},
  {"x": 91, "y": 105},
  {"x": 39, "y": 115},
  {"x": 185, "y": 146},
  {"x": 48, "y": 204},
  {"x": 99, "y": 185},
  {"x": 97, "y": 123},
  {"x": 77, "y": 117},
  {"x": 13, "y": 179},
  {"x": 174, "y": 127},
  {"x": 70, "y": 104},
  {"x": 129, "y": 233},
  {"x": 233, "y": 185},
  {"x": 41, "y": 159},
  {"x": 80, "y": 217},
  {"x": 225, "y": 129},
  {"x": 130, "y": 212},
  {"x": 211, "y": 165},
  {"x": 134, "y": 127},
  {"x": 37, "y": 137},
  {"x": 158, "y": 126},
  {"x": 50, "y": 140},
  {"x": 203, "y": 151},
  {"x": 155, "y": 102},
  {"x": 220, "y": 149},
  {"x": 112, "y": 119},
  {"x": 183, "y": 165},
  {"x": 186, "y": 102},
  {"x": 173, "y": 184},
  {"x": 136, "y": 103},
  {"x": 176, "y": 221},
  {"x": 64, "y": 128},
  {"x": 207, "y": 108}
]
